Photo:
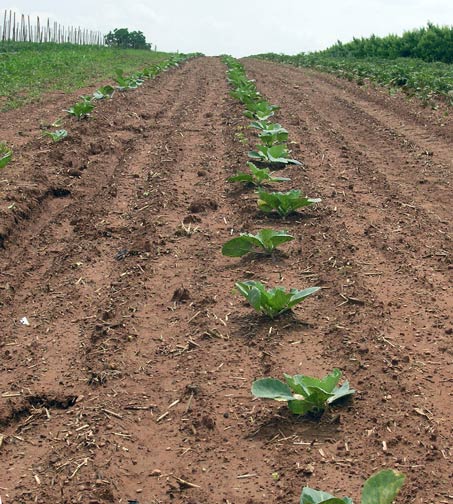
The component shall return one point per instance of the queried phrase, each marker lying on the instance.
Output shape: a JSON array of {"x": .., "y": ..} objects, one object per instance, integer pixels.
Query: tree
[{"x": 122, "y": 37}]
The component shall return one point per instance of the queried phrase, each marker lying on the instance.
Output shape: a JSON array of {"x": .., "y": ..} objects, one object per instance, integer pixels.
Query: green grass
[{"x": 28, "y": 70}]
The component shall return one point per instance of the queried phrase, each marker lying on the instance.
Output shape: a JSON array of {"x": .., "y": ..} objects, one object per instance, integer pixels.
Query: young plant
[
  {"x": 260, "y": 110},
  {"x": 275, "y": 301},
  {"x": 267, "y": 240},
  {"x": 270, "y": 133},
  {"x": 57, "y": 135},
  {"x": 151, "y": 72},
  {"x": 284, "y": 203},
  {"x": 303, "y": 394},
  {"x": 127, "y": 82},
  {"x": 6, "y": 154},
  {"x": 381, "y": 488},
  {"x": 81, "y": 109},
  {"x": 256, "y": 177},
  {"x": 272, "y": 154},
  {"x": 104, "y": 92},
  {"x": 246, "y": 91}
]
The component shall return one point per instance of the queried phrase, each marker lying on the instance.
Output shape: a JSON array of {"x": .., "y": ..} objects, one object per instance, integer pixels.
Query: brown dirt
[{"x": 134, "y": 375}]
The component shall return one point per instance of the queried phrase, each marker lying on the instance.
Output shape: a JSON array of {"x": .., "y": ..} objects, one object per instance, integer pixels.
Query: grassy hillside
[{"x": 28, "y": 70}]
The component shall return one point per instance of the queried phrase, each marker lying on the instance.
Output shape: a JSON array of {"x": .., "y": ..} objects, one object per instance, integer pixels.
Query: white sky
[{"x": 244, "y": 27}]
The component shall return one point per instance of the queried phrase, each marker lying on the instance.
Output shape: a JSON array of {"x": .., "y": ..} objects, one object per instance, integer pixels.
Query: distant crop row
[
  {"x": 83, "y": 108},
  {"x": 303, "y": 394},
  {"x": 413, "y": 76}
]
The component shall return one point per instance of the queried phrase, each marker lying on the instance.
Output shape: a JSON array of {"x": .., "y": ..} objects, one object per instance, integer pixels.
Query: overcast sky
[{"x": 244, "y": 27}]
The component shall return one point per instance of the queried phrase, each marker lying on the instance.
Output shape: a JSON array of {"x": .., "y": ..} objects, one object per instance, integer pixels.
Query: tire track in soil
[{"x": 392, "y": 274}]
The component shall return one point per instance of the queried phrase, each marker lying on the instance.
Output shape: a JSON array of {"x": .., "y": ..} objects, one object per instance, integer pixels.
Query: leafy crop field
[
  {"x": 225, "y": 282},
  {"x": 29, "y": 70},
  {"x": 414, "y": 77}
]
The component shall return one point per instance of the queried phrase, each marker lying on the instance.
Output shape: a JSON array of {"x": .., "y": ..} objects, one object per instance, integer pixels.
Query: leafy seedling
[
  {"x": 256, "y": 177},
  {"x": 284, "y": 203},
  {"x": 151, "y": 72},
  {"x": 303, "y": 394},
  {"x": 381, "y": 488},
  {"x": 272, "y": 302},
  {"x": 266, "y": 240},
  {"x": 122, "y": 81},
  {"x": 57, "y": 135},
  {"x": 81, "y": 109},
  {"x": 273, "y": 154},
  {"x": 6, "y": 154},
  {"x": 260, "y": 110},
  {"x": 127, "y": 82},
  {"x": 270, "y": 133},
  {"x": 246, "y": 92},
  {"x": 104, "y": 92}
]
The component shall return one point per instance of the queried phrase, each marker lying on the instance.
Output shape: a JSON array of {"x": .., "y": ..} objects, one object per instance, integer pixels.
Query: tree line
[{"x": 430, "y": 43}]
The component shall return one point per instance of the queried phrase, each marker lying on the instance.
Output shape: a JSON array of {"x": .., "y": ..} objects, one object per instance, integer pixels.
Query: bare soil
[{"x": 132, "y": 381}]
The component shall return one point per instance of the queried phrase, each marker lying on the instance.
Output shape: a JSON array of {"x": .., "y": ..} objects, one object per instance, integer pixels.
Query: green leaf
[
  {"x": 243, "y": 288},
  {"x": 283, "y": 203},
  {"x": 272, "y": 302},
  {"x": 241, "y": 177},
  {"x": 237, "y": 247},
  {"x": 327, "y": 383},
  {"x": 311, "y": 496},
  {"x": 316, "y": 401},
  {"x": 266, "y": 239},
  {"x": 275, "y": 154},
  {"x": 57, "y": 135},
  {"x": 271, "y": 388},
  {"x": 254, "y": 298},
  {"x": 295, "y": 384},
  {"x": 261, "y": 125},
  {"x": 382, "y": 487},
  {"x": 297, "y": 296},
  {"x": 341, "y": 393},
  {"x": 316, "y": 393},
  {"x": 277, "y": 299},
  {"x": 255, "y": 155},
  {"x": 271, "y": 239},
  {"x": 300, "y": 407},
  {"x": 81, "y": 109},
  {"x": 256, "y": 177},
  {"x": 6, "y": 154},
  {"x": 104, "y": 92}
]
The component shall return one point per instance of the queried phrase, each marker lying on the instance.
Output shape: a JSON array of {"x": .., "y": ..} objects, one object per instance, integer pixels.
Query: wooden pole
[
  {"x": 4, "y": 27},
  {"x": 23, "y": 30},
  {"x": 9, "y": 27}
]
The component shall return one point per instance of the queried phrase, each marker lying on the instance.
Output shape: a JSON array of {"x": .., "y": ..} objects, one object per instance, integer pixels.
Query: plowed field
[{"x": 132, "y": 380}]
